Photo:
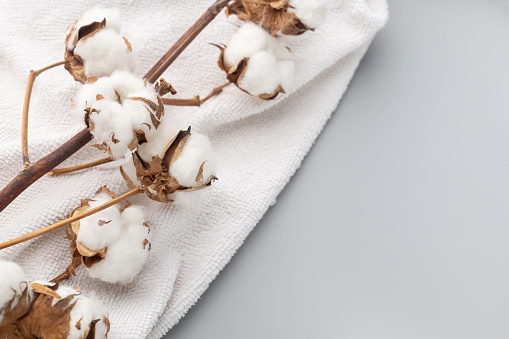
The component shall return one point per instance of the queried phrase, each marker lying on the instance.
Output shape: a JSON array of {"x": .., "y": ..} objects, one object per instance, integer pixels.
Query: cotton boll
[
  {"x": 311, "y": 12},
  {"x": 269, "y": 63},
  {"x": 84, "y": 312},
  {"x": 261, "y": 75},
  {"x": 87, "y": 95},
  {"x": 99, "y": 230},
  {"x": 112, "y": 126},
  {"x": 105, "y": 52},
  {"x": 248, "y": 40},
  {"x": 125, "y": 257},
  {"x": 11, "y": 284},
  {"x": 157, "y": 143},
  {"x": 196, "y": 151}
]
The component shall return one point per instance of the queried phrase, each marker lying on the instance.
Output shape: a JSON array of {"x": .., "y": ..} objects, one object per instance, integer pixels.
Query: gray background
[{"x": 397, "y": 223}]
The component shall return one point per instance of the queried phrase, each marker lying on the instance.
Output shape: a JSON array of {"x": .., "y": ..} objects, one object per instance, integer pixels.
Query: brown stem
[
  {"x": 215, "y": 91},
  {"x": 28, "y": 176},
  {"x": 67, "y": 221},
  {"x": 185, "y": 40},
  {"x": 194, "y": 101},
  {"x": 26, "y": 104},
  {"x": 80, "y": 167}
]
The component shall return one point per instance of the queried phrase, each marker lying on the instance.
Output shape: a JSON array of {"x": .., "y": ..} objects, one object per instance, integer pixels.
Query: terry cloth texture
[{"x": 260, "y": 144}]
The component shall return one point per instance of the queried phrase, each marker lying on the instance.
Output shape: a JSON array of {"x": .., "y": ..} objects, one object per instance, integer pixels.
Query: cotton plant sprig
[
  {"x": 31, "y": 172},
  {"x": 42, "y": 309}
]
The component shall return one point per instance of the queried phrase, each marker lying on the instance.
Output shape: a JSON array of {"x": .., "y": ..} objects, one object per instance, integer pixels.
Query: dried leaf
[
  {"x": 87, "y": 252},
  {"x": 237, "y": 71},
  {"x": 160, "y": 108},
  {"x": 162, "y": 88},
  {"x": 140, "y": 136},
  {"x": 102, "y": 222},
  {"x": 89, "y": 30},
  {"x": 128, "y": 44},
  {"x": 99, "y": 97},
  {"x": 145, "y": 243},
  {"x": 150, "y": 103},
  {"x": 74, "y": 65},
  {"x": 199, "y": 176},
  {"x": 43, "y": 289},
  {"x": 113, "y": 140},
  {"x": 147, "y": 225},
  {"x": 92, "y": 79},
  {"x": 105, "y": 189},
  {"x": 11, "y": 315},
  {"x": 78, "y": 324},
  {"x": 46, "y": 320},
  {"x": 173, "y": 150},
  {"x": 128, "y": 180},
  {"x": 104, "y": 147},
  {"x": 272, "y": 96}
]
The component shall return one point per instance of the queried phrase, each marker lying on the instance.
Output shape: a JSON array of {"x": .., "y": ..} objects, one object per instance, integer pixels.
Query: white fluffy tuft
[
  {"x": 106, "y": 50},
  {"x": 125, "y": 257},
  {"x": 311, "y": 12},
  {"x": 84, "y": 311},
  {"x": 94, "y": 233},
  {"x": 196, "y": 151},
  {"x": 104, "y": 53},
  {"x": 269, "y": 65},
  {"x": 118, "y": 115},
  {"x": 11, "y": 284}
]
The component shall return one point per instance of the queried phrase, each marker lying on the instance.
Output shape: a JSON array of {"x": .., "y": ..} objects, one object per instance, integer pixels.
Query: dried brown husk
[
  {"x": 274, "y": 15},
  {"x": 154, "y": 176},
  {"x": 34, "y": 316},
  {"x": 74, "y": 63},
  {"x": 236, "y": 72}
]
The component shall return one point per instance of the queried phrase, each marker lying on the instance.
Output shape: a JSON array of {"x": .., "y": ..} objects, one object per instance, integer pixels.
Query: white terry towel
[{"x": 260, "y": 144}]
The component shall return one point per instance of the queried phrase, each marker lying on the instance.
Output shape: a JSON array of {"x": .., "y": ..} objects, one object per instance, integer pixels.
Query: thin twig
[
  {"x": 80, "y": 167},
  {"x": 67, "y": 221},
  {"x": 215, "y": 91},
  {"x": 28, "y": 176},
  {"x": 185, "y": 40},
  {"x": 26, "y": 104},
  {"x": 194, "y": 101}
]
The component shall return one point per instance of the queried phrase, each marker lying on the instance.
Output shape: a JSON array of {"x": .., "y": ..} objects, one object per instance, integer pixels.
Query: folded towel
[{"x": 259, "y": 144}]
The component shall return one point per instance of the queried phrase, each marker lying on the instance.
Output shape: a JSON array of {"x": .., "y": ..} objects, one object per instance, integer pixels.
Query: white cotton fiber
[
  {"x": 85, "y": 311},
  {"x": 120, "y": 113},
  {"x": 111, "y": 125},
  {"x": 311, "y": 12},
  {"x": 196, "y": 151},
  {"x": 157, "y": 143},
  {"x": 100, "y": 230},
  {"x": 269, "y": 65},
  {"x": 248, "y": 40},
  {"x": 126, "y": 255},
  {"x": 11, "y": 284},
  {"x": 105, "y": 52},
  {"x": 261, "y": 75}
]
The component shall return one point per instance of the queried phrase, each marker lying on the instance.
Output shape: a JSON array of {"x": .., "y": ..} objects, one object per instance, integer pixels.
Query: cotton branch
[
  {"x": 28, "y": 176},
  {"x": 67, "y": 221},
  {"x": 26, "y": 104}
]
